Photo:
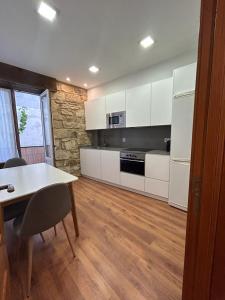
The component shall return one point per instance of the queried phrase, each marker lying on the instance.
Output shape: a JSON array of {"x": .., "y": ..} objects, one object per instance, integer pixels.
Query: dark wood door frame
[
  {"x": 204, "y": 269},
  {"x": 16, "y": 122}
]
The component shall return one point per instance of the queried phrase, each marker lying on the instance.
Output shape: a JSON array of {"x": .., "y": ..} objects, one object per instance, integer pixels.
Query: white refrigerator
[{"x": 181, "y": 135}]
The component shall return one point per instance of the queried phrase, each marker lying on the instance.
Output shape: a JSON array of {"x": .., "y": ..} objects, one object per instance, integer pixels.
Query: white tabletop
[{"x": 29, "y": 179}]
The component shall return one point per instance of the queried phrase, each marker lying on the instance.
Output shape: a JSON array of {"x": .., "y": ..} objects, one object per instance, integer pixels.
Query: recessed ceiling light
[
  {"x": 147, "y": 42},
  {"x": 68, "y": 79},
  {"x": 85, "y": 85},
  {"x": 94, "y": 69},
  {"x": 47, "y": 11}
]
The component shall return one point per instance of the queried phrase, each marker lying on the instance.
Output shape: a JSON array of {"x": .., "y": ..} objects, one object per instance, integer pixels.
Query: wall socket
[{"x": 124, "y": 140}]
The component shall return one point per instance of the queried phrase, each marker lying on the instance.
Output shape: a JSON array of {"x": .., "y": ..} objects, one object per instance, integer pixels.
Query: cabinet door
[
  {"x": 179, "y": 184},
  {"x": 95, "y": 114},
  {"x": 182, "y": 123},
  {"x": 138, "y": 104},
  {"x": 157, "y": 187},
  {"x": 157, "y": 166},
  {"x": 110, "y": 162},
  {"x": 184, "y": 79},
  {"x": 90, "y": 160},
  {"x": 115, "y": 102},
  {"x": 132, "y": 181},
  {"x": 161, "y": 104}
]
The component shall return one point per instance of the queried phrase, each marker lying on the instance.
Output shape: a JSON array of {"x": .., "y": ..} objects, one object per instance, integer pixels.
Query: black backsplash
[{"x": 140, "y": 137}]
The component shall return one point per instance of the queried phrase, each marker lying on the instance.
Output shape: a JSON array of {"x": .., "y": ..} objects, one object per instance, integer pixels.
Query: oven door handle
[{"x": 136, "y": 160}]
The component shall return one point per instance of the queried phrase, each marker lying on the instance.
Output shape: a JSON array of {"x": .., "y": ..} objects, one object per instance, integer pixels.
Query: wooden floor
[{"x": 130, "y": 247}]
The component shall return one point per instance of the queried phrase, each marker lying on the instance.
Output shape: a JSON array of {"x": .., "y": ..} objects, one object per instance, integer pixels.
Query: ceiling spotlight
[
  {"x": 147, "y": 42},
  {"x": 94, "y": 69},
  {"x": 85, "y": 85},
  {"x": 68, "y": 79},
  {"x": 47, "y": 11}
]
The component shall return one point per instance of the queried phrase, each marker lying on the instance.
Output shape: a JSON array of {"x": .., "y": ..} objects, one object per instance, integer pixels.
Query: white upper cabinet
[
  {"x": 115, "y": 102},
  {"x": 110, "y": 162},
  {"x": 161, "y": 104},
  {"x": 95, "y": 114},
  {"x": 184, "y": 79},
  {"x": 138, "y": 104}
]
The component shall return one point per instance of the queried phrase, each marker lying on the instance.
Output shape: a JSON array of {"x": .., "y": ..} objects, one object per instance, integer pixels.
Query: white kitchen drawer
[
  {"x": 132, "y": 181},
  {"x": 157, "y": 187},
  {"x": 157, "y": 166}
]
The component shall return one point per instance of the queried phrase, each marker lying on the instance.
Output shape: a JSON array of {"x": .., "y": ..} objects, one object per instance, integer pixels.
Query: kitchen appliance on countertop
[
  {"x": 132, "y": 160},
  {"x": 116, "y": 120}
]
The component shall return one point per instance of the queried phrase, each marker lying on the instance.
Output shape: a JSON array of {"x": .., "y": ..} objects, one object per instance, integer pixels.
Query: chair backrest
[
  {"x": 46, "y": 208},
  {"x": 15, "y": 162}
]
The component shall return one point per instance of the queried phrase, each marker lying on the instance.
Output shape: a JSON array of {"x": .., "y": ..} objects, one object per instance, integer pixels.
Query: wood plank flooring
[{"x": 130, "y": 248}]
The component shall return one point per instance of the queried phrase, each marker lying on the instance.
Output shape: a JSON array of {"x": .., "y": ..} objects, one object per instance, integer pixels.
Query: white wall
[{"x": 154, "y": 73}]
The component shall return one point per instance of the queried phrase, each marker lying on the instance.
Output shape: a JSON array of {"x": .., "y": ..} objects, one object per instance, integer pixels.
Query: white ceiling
[{"x": 101, "y": 32}]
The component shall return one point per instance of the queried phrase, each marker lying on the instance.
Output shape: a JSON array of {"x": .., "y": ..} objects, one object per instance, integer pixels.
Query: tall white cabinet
[{"x": 181, "y": 135}]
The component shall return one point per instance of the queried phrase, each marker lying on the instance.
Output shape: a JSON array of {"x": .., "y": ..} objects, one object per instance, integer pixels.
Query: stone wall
[{"x": 67, "y": 105}]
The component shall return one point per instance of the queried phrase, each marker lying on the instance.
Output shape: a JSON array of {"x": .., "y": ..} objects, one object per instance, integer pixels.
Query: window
[{"x": 8, "y": 147}]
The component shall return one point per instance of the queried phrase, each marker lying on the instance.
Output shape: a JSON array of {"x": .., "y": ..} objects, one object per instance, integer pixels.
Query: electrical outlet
[{"x": 124, "y": 140}]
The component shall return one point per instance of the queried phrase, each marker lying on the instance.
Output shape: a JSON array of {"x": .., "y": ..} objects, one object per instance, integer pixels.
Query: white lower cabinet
[
  {"x": 157, "y": 166},
  {"x": 105, "y": 165},
  {"x": 179, "y": 184},
  {"x": 157, "y": 187},
  {"x": 132, "y": 181},
  {"x": 90, "y": 160},
  {"x": 110, "y": 162}
]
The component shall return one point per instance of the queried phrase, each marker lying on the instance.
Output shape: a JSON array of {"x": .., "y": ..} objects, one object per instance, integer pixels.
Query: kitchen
[
  {"x": 134, "y": 130},
  {"x": 116, "y": 84}
]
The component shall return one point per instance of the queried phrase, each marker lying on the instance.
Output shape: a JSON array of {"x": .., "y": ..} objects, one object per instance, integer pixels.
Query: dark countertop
[
  {"x": 102, "y": 148},
  {"x": 159, "y": 152}
]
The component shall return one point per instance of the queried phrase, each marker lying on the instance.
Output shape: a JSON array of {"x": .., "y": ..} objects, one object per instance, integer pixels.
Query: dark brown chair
[
  {"x": 14, "y": 210},
  {"x": 46, "y": 208}
]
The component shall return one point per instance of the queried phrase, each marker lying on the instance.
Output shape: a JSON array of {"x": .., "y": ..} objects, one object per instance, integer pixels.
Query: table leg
[
  {"x": 74, "y": 213},
  {"x": 2, "y": 231}
]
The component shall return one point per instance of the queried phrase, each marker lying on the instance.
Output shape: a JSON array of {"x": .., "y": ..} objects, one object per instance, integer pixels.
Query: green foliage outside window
[{"x": 22, "y": 119}]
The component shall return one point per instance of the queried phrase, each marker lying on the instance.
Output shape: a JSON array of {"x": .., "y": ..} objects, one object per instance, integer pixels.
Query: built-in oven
[
  {"x": 116, "y": 120},
  {"x": 132, "y": 162}
]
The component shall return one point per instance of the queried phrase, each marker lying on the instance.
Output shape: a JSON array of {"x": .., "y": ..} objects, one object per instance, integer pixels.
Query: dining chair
[
  {"x": 14, "y": 162},
  {"x": 46, "y": 208},
  {"x": 14, "y": 210}
]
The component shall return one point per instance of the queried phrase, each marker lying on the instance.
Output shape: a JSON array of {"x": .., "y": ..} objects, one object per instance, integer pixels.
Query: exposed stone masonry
[{"x": 67, "y": 105}]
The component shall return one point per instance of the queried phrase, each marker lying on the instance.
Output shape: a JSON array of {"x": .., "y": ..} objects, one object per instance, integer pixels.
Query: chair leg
[
  {"x": 68, "y": 238},
  {"x": 55, "y": 230},
  {"x": 29, "y": 268},
  {"x": 42, "y": 237}
]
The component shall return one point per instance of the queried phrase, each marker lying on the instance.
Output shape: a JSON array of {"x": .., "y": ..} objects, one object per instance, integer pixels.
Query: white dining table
[{"x": 29, "y": 179}]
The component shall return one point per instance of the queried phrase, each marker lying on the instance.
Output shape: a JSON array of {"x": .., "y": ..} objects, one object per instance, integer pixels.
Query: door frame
[{"x": 205, "y": 242}]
